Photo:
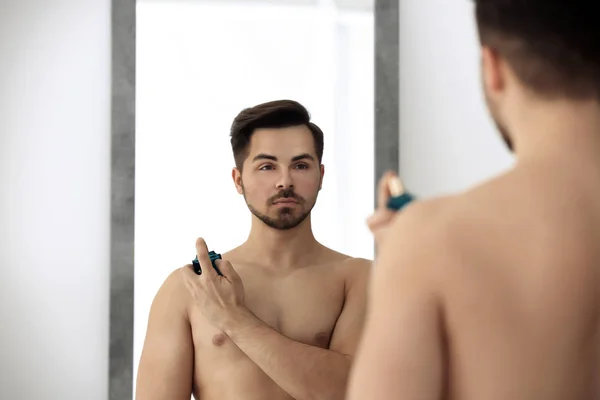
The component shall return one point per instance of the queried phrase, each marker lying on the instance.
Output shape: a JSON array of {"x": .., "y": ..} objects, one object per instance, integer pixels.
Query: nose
[{"x": 285, "y": 181}]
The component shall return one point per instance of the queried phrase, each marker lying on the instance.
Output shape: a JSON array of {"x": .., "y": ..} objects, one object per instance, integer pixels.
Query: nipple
[{"x": 219, "y": 339}]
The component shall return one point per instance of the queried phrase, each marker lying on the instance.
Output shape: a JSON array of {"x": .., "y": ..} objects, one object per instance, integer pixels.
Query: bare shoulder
[
  {"x": 432, "y": 237},
  {"x": 356, "y": 272},
  {"x": 428, "y": 219},
  {"x": 357, "y": 267},
  {"x": 173, "y": 293},
  {"x": 347, "y": 269},
  {"x": 343, "y": 262},
  {"x": 439, "y": 228}
]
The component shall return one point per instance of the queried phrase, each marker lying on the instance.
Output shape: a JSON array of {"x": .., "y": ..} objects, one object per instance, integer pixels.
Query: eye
[
  {"x": 266, "y": 167},
  {"x": 301, "y": 166}
]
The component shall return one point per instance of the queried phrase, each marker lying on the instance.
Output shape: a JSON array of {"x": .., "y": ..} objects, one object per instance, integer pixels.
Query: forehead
[{"x": 283, "y": 143}]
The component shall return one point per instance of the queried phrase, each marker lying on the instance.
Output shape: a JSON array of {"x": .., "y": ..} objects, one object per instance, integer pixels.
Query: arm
[
  {"x": 303, "y": 371},
  {"x": 167, "y": 363},
  {"x": 401, "y": 353}
]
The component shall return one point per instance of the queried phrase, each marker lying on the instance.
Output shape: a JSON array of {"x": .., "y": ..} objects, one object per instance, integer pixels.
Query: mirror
[{"x": 199, "y": 64}]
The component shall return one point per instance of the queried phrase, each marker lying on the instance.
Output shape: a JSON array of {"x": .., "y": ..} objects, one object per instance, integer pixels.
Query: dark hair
[
  {"x": 274, "y": 114},
  {"x": 552, "y": 45}
]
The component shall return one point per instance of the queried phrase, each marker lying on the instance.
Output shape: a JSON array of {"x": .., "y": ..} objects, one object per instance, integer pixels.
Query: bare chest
[{"x": 303, "y": 306}]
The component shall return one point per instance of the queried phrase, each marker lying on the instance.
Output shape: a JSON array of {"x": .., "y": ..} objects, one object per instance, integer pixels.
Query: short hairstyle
[
  {"x": 552, "y": 45},
  {"x": 274, "y": 114}
]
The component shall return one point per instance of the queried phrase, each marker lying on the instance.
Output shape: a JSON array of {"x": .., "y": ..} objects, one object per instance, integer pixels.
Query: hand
[
  {"x": 379, "y": 221},
  {"x": 218, "y": 298}
]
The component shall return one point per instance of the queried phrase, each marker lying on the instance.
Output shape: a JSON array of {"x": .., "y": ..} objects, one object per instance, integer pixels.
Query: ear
[
  {"x": 236, "y": 175},
  {"x": 492, "y": 71},
  {"x": 322, "y": 174}
]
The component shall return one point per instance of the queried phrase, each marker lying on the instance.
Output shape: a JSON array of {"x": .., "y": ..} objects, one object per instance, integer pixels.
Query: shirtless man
[
  {"x": 284, "y": 321},
  {"x": 495, "y": 293}
]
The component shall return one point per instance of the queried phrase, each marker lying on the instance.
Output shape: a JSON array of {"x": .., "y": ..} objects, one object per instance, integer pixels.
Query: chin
[{"x": 287, "y": 216}]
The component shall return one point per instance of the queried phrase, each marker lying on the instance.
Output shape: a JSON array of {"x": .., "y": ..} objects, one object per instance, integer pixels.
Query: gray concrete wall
[
  {"x": 386, "y": 88},
  {"x": 122, "y": 200}
]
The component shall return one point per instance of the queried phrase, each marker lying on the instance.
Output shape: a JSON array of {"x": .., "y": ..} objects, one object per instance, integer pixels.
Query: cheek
[
  {"x": 258, "y": 187},
  {"x": 308, "y": 184}
]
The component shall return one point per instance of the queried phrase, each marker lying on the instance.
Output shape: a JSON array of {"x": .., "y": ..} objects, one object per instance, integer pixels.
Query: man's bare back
[
  {"x": 525, "y": 324},
  {"x": 507, "y": 303},
  {"x": 495, "y": 293},
  {"x": 303, "y": 304}
]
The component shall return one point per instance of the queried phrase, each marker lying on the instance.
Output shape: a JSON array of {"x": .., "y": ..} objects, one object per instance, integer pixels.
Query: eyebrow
[
  {"x": 264, "y": 157},
  {"x": 303, "y": 157},
  {"x": 273, "y": 158}
]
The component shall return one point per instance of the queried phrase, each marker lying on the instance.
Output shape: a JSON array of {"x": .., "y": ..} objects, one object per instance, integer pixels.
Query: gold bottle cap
[{"x": 396, "y": 187}]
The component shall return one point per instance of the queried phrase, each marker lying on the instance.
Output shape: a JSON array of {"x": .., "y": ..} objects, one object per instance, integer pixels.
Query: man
[
  {"x": 495, "y": 293},
  {"x": 284, "y": 320}
]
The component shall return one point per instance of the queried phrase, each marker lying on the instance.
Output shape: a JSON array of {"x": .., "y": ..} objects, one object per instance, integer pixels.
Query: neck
[
  {"x": 557, "y": 129},
  {"x": 281, "y": 248}
]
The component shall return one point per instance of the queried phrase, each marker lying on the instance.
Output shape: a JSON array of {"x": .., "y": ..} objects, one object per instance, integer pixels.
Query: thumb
[{"x": 379, "y": 218}]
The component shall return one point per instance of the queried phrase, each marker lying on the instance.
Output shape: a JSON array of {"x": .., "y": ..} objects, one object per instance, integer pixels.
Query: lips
[{"x": 286, "y": 202}]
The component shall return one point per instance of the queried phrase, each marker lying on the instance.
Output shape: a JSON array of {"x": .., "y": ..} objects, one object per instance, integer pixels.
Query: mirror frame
[{"x": 122, "y": 234}]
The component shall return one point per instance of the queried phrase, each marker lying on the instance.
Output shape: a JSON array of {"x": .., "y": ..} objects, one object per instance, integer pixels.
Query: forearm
[{"x": 305, "y": 372}]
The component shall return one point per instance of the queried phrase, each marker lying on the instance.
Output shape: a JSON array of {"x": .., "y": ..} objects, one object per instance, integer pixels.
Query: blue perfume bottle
[{"x": 213, "y": 257}]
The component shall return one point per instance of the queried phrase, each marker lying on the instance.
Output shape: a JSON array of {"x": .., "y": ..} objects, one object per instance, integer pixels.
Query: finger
[
  {"x": 227, "y": 270},
  {"x": 383, "y": 189},
  {"x": 395, "y": 186},
  {"x": 204, "y": 259},
  {"x": 378, "y": 219}
]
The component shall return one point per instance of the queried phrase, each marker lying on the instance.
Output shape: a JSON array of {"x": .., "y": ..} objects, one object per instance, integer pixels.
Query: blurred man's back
[
  {"x": 522, "y": 316},
  {"x": 495, "y": 293}
]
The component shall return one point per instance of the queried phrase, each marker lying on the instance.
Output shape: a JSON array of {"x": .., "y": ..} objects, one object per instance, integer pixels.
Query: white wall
[
  {"x": 198, "y": 65},
  {"x": 54, "y": 206},
  {"x": 448, "y": 142}
]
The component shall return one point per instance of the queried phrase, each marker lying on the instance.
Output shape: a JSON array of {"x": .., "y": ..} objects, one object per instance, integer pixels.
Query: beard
[
  {"x": 504, "y": 133},
  {"x": 287, "y": 217}
]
